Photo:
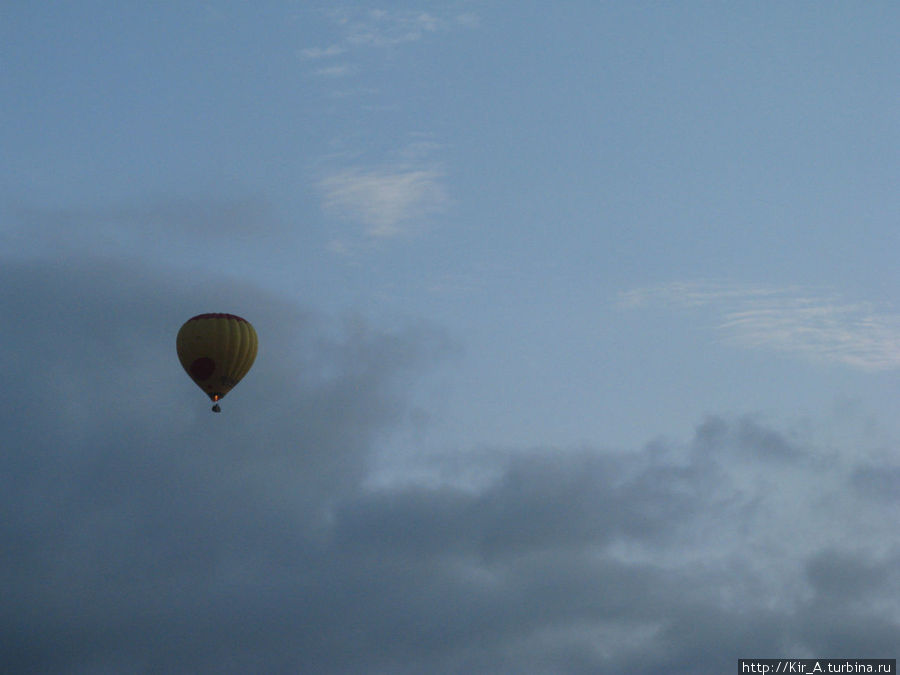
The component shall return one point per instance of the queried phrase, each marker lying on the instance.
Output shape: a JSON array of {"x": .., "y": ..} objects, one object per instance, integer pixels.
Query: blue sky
[{"x": 561, "y": 266}]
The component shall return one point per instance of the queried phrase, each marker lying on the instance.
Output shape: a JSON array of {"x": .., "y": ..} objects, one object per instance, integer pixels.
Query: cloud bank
[{"x": 144, "y": 534}]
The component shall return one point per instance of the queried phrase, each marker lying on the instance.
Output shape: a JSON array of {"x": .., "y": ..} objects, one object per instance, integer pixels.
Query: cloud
[
  {"x": 29, "y": 230},
  {"x": 697, "y": 293},
  {"x": 386, "y": 199},
  {"x": 381, "y": 29},
  {"x": 138, "y": 536},
  {"x": 803, "y": 321},
  {"x": 144, "y": 534},
  {"x": 341, "y": 70},
  {"x": 314, "y": 53},
  {"x": 676, "y": 558}
]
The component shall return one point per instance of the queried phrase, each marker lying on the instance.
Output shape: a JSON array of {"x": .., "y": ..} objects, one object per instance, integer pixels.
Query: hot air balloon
[{"x": 216, "y": 350}]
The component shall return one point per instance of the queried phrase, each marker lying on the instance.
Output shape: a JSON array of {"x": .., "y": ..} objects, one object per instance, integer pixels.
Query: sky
[{"x": 579, "y": 340}]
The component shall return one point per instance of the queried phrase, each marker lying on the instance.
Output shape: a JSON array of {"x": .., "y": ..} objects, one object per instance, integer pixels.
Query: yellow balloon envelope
[{"x": 216, "y": 350}]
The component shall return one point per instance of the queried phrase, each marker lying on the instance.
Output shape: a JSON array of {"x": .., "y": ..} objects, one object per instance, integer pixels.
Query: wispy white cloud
[
  {"x": 382, "y": 29},
  {"x": 696, "y": 293},
  {"x": 314, "y": 53},
  {"x": 385, "y": 199},
  {"x": 338, "y": 70},
  {"x": 807, "y": 322}
]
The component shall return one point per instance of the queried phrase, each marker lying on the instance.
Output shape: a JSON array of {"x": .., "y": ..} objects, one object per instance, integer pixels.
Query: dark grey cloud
[
  {"x": 853, "y": 602},
  {"x": 142, "y": 533},
  {"x": 190, "y": 215},
  {"x": 878, "y": 482},
  {"x": 191, "y": 231},
  {"x": 141, "y": 529}
]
